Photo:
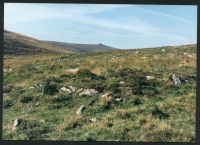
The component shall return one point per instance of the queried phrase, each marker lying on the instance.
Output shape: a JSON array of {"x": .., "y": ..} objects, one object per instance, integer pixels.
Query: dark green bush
[
  {"x": 85, "y": 73},
  {"x": 156, "y": 112},
  {"x": 7, "y": 88},
  {"x": 137, "y": 101},
  {"x": 107, "y": 105},
  {"x": 51, "y": 88},
  {"x": 141, "y": 86},
  {"x": 7, "y": 104},
  {"x": 26, "y": 99},
  {"x": 61, "y": 98},
  {"x": 32, "y": 129},
  {"x": 55, "y": 106},
  {"x": 130, "y": 73},
  {"x": 97, "y": 85},
  {"x": 115, "y": 88}
]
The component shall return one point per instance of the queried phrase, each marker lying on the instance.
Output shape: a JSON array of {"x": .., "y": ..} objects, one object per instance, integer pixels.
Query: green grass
[{"x": 152, "y": 110}]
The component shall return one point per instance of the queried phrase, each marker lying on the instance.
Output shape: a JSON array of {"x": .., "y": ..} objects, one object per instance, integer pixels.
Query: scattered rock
[
  {"x": 163, "y": 50},
  {"x": 80, "y": 110},
  {"x": 7, "y": 69},
  {"x": 42, "y": 121},
  {"x": 65, "y": 90},
  {"x": 122, "y": 82},
  {"x": 16, "y": 123},
  {"x": 72, "y": 71},
  {"x": 118, "y": 99},
  {"x": 190, "y": 55},
  {"x": 38, "y": 103},
  {"x": 93, "y": 119},
  {"x": 114, "y": 58},
  {"x": 31, "y": 87},
  {"x": 171, "y": 55},
  {"x": 144, "y": 57},
  {"x": 150, "y": 77},
  {"x": 106, "y": 95},
  {"x": 176, "y": 79},
  {"x": 73, "y": 89},
  {"x": 89, "y": 92},
  {"x": 37, "y": 85},
  {"x": 81, "y": 89}
]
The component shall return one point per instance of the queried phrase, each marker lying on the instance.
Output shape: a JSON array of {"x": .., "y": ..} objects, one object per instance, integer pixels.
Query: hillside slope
[
  {"x": 150, "y": 106},
  {"x": 18, "y": 44},
  {"x": 82, "y": 48}
]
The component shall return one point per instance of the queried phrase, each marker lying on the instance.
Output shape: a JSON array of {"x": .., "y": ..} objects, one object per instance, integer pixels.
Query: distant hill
[
  {"x": 82, "y": 48},
  {"x": 18, "y": 44}
]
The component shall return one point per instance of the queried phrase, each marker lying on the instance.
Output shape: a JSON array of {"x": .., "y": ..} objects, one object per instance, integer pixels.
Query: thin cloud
[
  {"x": 22, "y": 14},
  {"x": 167, "y": 15}
]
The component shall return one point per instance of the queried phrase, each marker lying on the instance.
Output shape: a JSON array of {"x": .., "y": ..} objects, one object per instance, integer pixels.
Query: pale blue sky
[{"x": 121, "y": 26}]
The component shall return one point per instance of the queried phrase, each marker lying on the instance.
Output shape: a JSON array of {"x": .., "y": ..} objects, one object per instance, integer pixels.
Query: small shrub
[
  {"x": 56, "y": 100},
  {"x": 115, "y": 88},
  {"x": 26, "y": 99},
  {"x": 55, "y": 106},
  {"x": 130, "y": 73},
  {"x": 50, "y": 88},
  {"x": 159, "y": 113},
  {"x": 32, "y": 129},
  {"x": 85, "y": 73},
  {"x": 137, "y": 101},
  {"x": 7, "y": 88},
  {"x": 107, "y": 105},
  {"x": 141, "y": 86},
  {"x": 7, "y": 104},
  {"x": 64, "y": 77},
  {"x": 136, "y": 80},
  {"x": 61, "y": 99}
]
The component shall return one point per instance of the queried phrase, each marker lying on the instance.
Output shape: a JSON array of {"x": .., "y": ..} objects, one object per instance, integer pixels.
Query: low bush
[
  {"x": 55, "y": 106},
  {"x": 32, "y": 129},
  {"x": 115, "y": 88},
  {"x": 85, "y": 73},
  {"x": 7, "y": 104},
  {"x": 130, "y": 73},
  {"x": 7, "y": 88},
  {"x": 141, "y": 86},
  {"x": 26, "y": 99},
  {"x": 51, "y": 88},
  {"x": 156, "y": 112},
  {"x": 137, "y": 101}
]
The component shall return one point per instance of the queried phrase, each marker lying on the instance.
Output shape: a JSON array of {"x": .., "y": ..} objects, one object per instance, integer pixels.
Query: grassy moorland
[{"x": 153, "y": 109}]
